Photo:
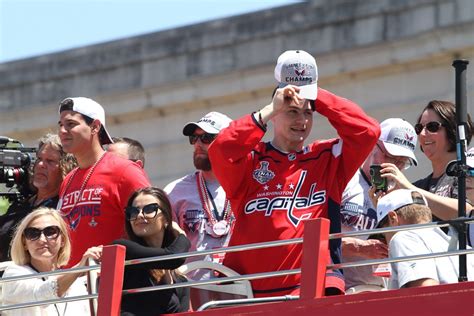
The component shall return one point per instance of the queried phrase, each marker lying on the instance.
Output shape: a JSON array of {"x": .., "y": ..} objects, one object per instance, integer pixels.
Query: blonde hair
[
  {"x": 21, "y": 256},
  {"x": 415, "y": 213}
]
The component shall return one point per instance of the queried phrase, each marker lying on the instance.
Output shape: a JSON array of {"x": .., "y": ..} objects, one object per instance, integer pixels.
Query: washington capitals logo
[
  {"x": 263, "y": 175},
  {"x": 81, "y": 204},
  {"x": 289, "y": 204},
  {"x": 300, "y": 72}
]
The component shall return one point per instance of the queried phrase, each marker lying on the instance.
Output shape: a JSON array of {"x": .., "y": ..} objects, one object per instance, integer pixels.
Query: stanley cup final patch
[{"x": 263, "y": 174}]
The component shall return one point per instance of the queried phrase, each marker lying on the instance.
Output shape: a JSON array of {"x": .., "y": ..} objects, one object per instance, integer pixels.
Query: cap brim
[
  {"x": 105, "y": 136},
  {"x": 190, "y": 127},
  {"x": 396, "y": 150},
  {"x": 308, "y": 92}
]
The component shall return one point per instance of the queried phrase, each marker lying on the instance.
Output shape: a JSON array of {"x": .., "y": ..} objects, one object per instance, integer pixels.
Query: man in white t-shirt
[
  {"x": 396, "y": 145},
  {"x": 199, "y": 202},
  {"x": 406, "y": 207}
]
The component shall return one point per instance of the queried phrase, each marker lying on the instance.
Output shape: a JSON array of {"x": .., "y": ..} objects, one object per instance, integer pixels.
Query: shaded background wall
[{"x": 391, "y": 57}]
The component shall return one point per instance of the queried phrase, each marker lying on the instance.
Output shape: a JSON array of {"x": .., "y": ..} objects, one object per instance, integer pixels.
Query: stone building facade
[{"x": 390, "y": 56}]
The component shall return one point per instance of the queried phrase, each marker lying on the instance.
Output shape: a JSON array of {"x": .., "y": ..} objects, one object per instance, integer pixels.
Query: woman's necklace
[
  {"x": 220, "y": 225},
  {"x": 73, "y": 223}
]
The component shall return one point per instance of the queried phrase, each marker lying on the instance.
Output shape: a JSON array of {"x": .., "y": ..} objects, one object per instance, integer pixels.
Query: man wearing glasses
[
  {"x": 396, "y": 145},
  {"x": 200, "y": 205}
]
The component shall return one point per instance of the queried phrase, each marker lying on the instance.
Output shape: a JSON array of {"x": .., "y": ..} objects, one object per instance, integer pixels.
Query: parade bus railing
[{"x": 313, "y": 268}]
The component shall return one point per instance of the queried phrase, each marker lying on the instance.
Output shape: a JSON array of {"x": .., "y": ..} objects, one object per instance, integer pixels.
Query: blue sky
[{"x": 35, "y": 27}]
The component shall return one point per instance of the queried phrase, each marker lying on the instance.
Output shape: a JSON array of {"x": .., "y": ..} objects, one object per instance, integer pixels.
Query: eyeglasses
[
  {"x": 149, "y": 211},
  {"x": 205, "y": 138},
  {"x": 50, "y": 232},
  {"x": 431, "y": 127},
  {"x": 400, "y": 162}
]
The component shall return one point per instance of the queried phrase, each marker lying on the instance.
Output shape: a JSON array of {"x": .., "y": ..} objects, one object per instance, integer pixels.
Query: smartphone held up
[{"x": 377, "y": 180}]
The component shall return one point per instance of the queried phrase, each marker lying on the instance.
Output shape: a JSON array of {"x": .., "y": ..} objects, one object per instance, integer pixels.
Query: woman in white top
[{"x": 41, "y": 244}]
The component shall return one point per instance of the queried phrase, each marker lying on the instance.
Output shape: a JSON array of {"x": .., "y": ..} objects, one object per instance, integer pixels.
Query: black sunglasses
[
  {"x": 431, "y": 127},
  {"x": 50, "y": 232},
  {"x": 149, "y": 211},
  {"x": 205, "y": 138}
]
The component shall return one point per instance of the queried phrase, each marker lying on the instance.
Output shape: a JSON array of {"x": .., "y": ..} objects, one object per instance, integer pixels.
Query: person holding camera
[
  {"x": 51, "y": 166},
  {"x": 396, "y": 145},
  {"x": 436, "y": 128},
  {"x": 274, "y": 186}
]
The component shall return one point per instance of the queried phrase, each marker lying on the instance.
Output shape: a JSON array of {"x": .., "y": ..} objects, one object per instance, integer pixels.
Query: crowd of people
[{"x": 92, "y": 190}]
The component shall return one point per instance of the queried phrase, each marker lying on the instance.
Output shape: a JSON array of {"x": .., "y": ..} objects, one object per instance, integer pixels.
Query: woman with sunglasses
[
  {"x": 436, "y": 129},
  {"x": 41, "y": 244},
  {"x": 152, "y": 233}
]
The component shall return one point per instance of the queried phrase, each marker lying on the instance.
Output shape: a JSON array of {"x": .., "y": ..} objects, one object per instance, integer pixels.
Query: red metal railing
[{"x": 313, "y": 268}]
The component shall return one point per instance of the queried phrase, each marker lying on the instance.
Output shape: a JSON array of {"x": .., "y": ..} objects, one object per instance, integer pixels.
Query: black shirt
[{"x": 137, "y": 276}]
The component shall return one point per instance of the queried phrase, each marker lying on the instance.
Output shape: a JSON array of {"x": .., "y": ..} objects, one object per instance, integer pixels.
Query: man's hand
[
  {"x": 283, "y": 98},
  {"x": 369, "y": 249}
]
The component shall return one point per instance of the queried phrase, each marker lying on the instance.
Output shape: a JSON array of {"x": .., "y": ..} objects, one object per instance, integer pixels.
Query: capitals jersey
[{"x": 272, "y": 192}]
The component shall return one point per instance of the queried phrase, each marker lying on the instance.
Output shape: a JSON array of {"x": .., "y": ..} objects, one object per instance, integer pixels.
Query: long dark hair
[
  {"x": 168, "y": 236},
  {"x": 165, "y": 207},
  {"x": 447, "y": 112}
]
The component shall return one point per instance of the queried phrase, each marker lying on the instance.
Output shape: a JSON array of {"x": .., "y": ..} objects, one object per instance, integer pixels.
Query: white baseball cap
[
  {"x": 399, "y": 138},
  {"x": 212, "y": 123},
  {"x": 92, "y": 109},
  {"x": 298, "y": 68},
  {"x": 397, "y": 199}
]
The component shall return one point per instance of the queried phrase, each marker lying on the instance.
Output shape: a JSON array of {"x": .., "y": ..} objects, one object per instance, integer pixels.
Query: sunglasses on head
[
  {"x": 149, "y": 211},
  {"x": 205, "y": 138},
  {"x": 431, "y": 127},
  {"x": 50, "y": 232}
]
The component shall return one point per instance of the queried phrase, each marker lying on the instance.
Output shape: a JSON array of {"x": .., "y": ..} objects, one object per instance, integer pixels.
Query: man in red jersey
[
  {"x": 274, "y": 186},
  {"x": 94, "y": 195}
]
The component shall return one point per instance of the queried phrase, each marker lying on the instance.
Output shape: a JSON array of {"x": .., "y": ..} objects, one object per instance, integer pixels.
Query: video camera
[
  {"x": 454, "y": 168},
  {"x": 15, "y": 163}
]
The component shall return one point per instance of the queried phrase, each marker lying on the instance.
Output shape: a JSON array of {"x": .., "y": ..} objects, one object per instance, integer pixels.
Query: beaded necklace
[
  {"x": 220, "y": 225},
  {"x": 73, "y": 223}
]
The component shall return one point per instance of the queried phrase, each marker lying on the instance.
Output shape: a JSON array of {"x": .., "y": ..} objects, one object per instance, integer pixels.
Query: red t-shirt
[
  {"x": 98, "y": 215},
  {"x": 271, "y": 192}
]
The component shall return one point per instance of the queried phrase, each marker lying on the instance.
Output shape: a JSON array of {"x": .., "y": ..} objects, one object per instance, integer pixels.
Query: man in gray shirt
[{"x": 200, "y": 206}]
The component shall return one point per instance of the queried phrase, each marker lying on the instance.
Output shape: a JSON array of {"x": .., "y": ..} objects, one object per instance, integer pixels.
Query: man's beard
[{"x": 201, "y": 163}]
